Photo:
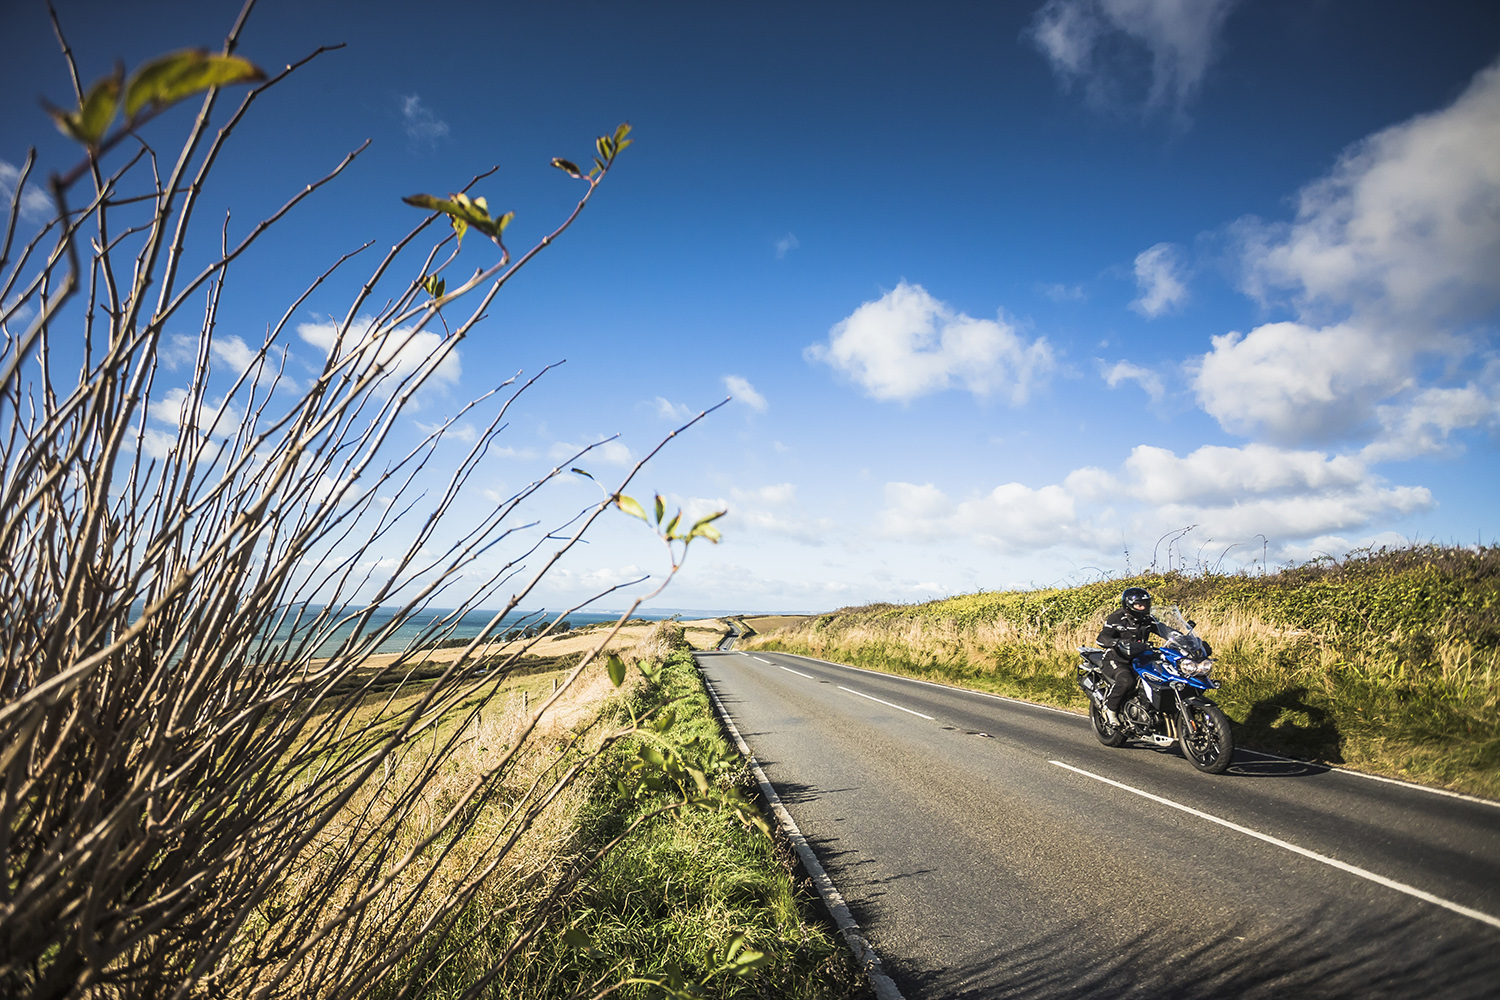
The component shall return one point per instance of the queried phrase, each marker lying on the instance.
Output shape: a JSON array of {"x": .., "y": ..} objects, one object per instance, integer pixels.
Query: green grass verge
[
  {"x": 672, "y": 896},
  {"x": 681, "y": 886}
]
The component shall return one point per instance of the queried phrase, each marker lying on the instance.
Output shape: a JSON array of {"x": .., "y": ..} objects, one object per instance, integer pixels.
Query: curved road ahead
[{"x": 992, "y": 848}]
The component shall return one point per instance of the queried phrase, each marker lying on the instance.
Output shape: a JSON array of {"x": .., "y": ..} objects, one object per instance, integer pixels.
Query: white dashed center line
[
  {"x": 884, "y": 702},
  {"x": 797, "y": 672},
  {"x": 1277, "y": 842}
]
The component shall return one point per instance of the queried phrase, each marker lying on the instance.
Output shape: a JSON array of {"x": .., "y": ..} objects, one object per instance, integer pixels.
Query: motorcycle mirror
[{"x": 1192, "y": 624}]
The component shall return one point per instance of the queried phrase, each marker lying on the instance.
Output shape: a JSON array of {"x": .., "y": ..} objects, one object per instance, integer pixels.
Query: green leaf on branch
[
  {"x": 567, "y": 166},
  {"x": 166, "y": 80},
  {"x": 465, "y": 212},
  {"x": 661, "y": 508},
  {"x": 616, "y": 668},
  {"x": 702, "y": 528},
  {"x": 434, "y": 286},
  {"x": 93, "y": 117},
  {"x": 631, "y": 507},
  {"x": 652, "y": 756}
]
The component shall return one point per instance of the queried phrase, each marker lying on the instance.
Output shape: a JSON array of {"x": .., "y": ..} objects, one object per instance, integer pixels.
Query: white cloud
[
  {"x": 177, "y": 408},
  {"x": 401, "y": 352},
  {"x": 1292, "y": 382},
  {"x": 1128, "y": 371},
  {"x": 612, "y": 452},
  {"x": 1230, "y": 494},
  {"x": 772, "y": 510},
  {"x": 35, "y": 205},
  {"x": 1422, "y": 424},
  {"x": 1081, "y": 38},
  {"x": 668, "y": 410},
  {"x": 786, "y": 245},
  {"x": 745, "y": 393},
  {"x": 1010, "y": 518},
  {"x": 234, "y": 352},
  {"x": 1216, "y": 474},
  {"x": 908, "y": 344},
  {"x": 421, "y": 124},
  {"x": 776, "y": 494},
  {"x": 1405, "y": 230},
  {"x": 465, "y": 433},
  {"x": 1064, "y": 293},
  {"x": 1391, "y": 261},
  {"x": 1158, "y": 275}
]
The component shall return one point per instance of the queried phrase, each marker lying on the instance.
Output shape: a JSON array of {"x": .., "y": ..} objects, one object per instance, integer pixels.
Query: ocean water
[{"x": 417, "y": 626}]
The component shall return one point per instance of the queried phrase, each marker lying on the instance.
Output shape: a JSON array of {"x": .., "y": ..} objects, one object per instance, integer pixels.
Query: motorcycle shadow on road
[
  {"x": 1315, "y": 958},
  {"x": 1289, "y": 724}
]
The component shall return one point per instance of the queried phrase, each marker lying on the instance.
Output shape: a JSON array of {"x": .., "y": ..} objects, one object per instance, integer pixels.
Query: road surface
[{"x": 992, "y": 848}]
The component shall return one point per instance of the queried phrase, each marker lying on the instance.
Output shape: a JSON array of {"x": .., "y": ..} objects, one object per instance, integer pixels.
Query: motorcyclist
[{"x": 1125, "y": 636}]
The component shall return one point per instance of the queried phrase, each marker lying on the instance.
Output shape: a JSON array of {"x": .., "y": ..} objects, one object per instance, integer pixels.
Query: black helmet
[{"x": 1134, "y": 596}]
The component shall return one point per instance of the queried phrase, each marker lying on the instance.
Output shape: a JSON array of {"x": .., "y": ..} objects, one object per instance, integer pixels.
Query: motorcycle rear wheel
[
  {"x": 1109, "y": 735},
  {"x": 1207, "y": 742}
]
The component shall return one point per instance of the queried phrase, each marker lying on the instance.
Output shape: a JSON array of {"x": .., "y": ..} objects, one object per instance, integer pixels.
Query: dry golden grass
[
  {"x": 770, "y": 623},
  {"x": 518, "y": 838}
]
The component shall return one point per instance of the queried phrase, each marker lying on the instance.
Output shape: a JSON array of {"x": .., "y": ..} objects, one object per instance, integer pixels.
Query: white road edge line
[
  {"x": 1333, "y": 862},
  {"x": 887, "y": 704},
  {"x": 885, "y": 987},
  {"x": 1412, "y": 785}
]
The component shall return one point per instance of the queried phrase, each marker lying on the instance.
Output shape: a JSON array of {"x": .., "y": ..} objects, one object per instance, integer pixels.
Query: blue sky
[{"x": 1005, "y": 293}]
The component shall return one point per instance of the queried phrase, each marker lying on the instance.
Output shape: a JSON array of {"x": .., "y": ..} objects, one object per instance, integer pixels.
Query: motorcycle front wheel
[
  {"x": 1109, "y": 735},
  {"x": 1207, "y": 742}
]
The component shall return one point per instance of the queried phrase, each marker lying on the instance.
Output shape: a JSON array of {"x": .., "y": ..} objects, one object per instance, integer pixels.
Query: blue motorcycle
[{"x": 1171, "y": 703}]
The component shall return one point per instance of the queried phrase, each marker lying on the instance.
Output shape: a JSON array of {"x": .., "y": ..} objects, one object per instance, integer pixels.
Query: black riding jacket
[{"x": 1123, "y": 630}]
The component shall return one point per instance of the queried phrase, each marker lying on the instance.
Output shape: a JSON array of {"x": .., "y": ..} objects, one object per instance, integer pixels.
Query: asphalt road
[{"x": 991, "y": 848}]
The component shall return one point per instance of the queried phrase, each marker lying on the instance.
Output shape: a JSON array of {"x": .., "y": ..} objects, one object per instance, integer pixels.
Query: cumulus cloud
[
  {"x": 1158, "y": 275},
  {"x": 772, "y": 510},
  {"x": 908, "y": 344},
  {"x": 744, "y": 392},
  {"x": 1405, "y": 230},
  {"x": 420, "y": 123},
  {"x": 1097, "y": 42},
  {"x": 1392, "y": 260},
  {"x": 401, "y": 352},
  {"x": 1129, "y": 371},
  {"x": 1058, "y": 292},
  {"x": 1422, "y": 424},
  {"x": 177, "y": 408},
  {"x": 786, "y": 245},
  {"x": 35, "y": 205},
  {"x": 1010, "y": 518},
  {"x": 1230, "y": 494},
  {"x": 465, "y": 433},
  {"x": 1291, "y": 382},
  {"x": 668, "y": 410}
]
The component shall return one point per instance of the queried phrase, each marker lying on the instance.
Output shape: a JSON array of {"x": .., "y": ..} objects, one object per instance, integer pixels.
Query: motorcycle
[{"x": 1170, "y": 704}]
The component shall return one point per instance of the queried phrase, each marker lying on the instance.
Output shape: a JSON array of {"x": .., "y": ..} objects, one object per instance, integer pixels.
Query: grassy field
[{"x": 1387, "y": 661}]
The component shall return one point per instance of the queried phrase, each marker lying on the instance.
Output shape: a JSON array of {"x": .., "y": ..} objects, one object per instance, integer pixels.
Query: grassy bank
[
  {"x": 682, "y": 893},
  {"x": 1388, "y": 661}
]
